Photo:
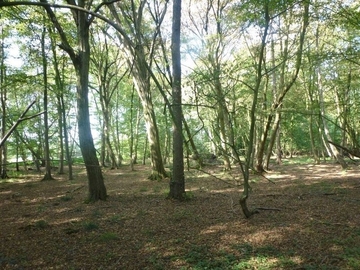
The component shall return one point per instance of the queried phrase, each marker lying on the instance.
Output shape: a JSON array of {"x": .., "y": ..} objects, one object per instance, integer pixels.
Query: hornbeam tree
[
  {"x": 80, "y": 58},
  {"x": 81, "y": 61}
]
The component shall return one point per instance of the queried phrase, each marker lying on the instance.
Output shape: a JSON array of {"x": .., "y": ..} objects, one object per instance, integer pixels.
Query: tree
[
  {"x": 47, "y": 175},
  {"x": 285, "y": 86},
  {"x": 81, "y": 62},
  {"x": 138, "y": 46},
  {"x": 3, "y": 98},
  {"x": 177, "y": 181},
  {"x": 106, "y": 66}
]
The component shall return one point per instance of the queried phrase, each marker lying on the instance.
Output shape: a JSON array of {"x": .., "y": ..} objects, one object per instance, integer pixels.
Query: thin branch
[{"x": 21, "y": 119}]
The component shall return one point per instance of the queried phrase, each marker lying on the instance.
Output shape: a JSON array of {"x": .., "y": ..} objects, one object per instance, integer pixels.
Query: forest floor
[{"x": 309, "y": 219}]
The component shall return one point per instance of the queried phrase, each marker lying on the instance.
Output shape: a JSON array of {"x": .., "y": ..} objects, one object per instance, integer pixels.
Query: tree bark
[
  {"x": 97, "y": 190},
  {"x": 250, "y": 147},
  {"x": 47, "y": 175},
  {"x": 177, "y": 181},
  {"x": 81, "y": 62},
  {"x": 327, "y": 137},
  {"x": 141, "y": 71},
  {"x": 285, "y": 86},
  {"x": 3, "y": 93}
]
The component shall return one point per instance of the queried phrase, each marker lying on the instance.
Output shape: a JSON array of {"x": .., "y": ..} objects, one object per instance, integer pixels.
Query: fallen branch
[
  {"x": 353, "y": 152},
  {"x": 268, "y": 209},
  {"x": 271, "y": 181},
  {"x": 218, "y": 178},
  {"x": 75, "y": 189}
]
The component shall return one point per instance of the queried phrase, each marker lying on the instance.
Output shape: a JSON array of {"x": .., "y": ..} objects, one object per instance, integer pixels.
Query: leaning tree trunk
[{"x": 142, "y": 84}]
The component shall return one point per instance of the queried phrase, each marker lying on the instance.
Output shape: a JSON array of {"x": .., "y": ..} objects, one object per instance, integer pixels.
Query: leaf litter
[{"x": 309, "y": 219}]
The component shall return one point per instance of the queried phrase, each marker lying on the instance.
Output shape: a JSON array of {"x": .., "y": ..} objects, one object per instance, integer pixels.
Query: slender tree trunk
[
  {"x": 47, "y": 175},
  {"x": 167, "y": 140},
  {"x": 177, "y": 181},
  {"x": 284, "y": 87},
  {"x": 273, "y": 137},
  {"x": 327, "y": 137},
  {"x": 66, "y": 139},
  {"x": 309, "y": 105},
  {"x": 249, "y": 151},
  {"x": 3, "y": 93},
  {"x": 61, "y": 137},
  {"x": 132, "y": 135}
]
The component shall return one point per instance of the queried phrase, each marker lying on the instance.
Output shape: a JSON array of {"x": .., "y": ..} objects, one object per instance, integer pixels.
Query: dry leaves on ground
[{"x": 309, "y": 219}]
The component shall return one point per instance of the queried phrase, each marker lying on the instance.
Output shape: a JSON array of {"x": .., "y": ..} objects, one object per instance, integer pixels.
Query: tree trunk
[
  {"x": 3, "y": 93},
  {"x": 309, "y": 106},
  {"x": 134, "y": 136},
  {"x": 97, "y": 190},
  {"x": 327, "y": 137},
  {"x": 142, "y": 85},
  {"x": 252, "y": 115},
  {"x": 81, "y": 61},
  {"x": 135, "y": 47},
  {"x": 273, "y": 137},
  {"x": 63, "y": 136},
  {"x": 66, "y": 139},
  {"x": 47, "y": 175},
  {"x": 285, "y": 87},
  {"x": 177, "y": 181}
]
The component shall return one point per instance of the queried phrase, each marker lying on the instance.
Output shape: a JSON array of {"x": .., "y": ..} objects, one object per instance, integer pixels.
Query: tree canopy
[{"x": 258, "y": 81}]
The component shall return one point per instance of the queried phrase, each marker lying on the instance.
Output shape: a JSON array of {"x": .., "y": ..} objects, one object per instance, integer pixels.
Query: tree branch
[{"x": 21, "y": 119}]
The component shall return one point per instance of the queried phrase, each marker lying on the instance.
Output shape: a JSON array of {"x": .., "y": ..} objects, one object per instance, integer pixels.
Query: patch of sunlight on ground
[
  {"x": 69, "y": 220},
  {"x": 336, "y": 248},
  {"x": 277, "y": 176},
  {"x": 14, "y": 181},
  {"x": 213, "y": 229},
  {"x": 62, "y": 210}
]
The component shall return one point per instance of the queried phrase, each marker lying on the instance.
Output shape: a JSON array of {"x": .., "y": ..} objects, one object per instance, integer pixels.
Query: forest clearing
[{"x": 309, "y": 218}]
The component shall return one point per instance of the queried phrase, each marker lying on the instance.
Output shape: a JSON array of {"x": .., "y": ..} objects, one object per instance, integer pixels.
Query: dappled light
[{"x": 305, "y": 220}]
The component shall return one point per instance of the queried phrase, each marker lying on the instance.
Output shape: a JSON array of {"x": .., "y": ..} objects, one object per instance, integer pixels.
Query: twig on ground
[
  {"x": 218, "y": 178},
  {"x": 75, "y": 189},
  {"x": 269, "y": 209},
  {"x": 271, "y": 181}
]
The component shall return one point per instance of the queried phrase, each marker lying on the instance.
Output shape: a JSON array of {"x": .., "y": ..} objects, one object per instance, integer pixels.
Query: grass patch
[
  {"x": 115, "y": 218},
  {"x": 66, "y": 198},
  {"x": 41, "y": 208},
  {"x": 143, "y": 189},
  {"x": 90, "y": 226},
  {"x": 41, "y": 224},
  {"x": 96, "y": 213},
  {"x": 156, "y": 262},
  {"x": 108, "y": 236},
  {"x": 201, "y": 257},
  {"x": 182, "y": 214}
]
